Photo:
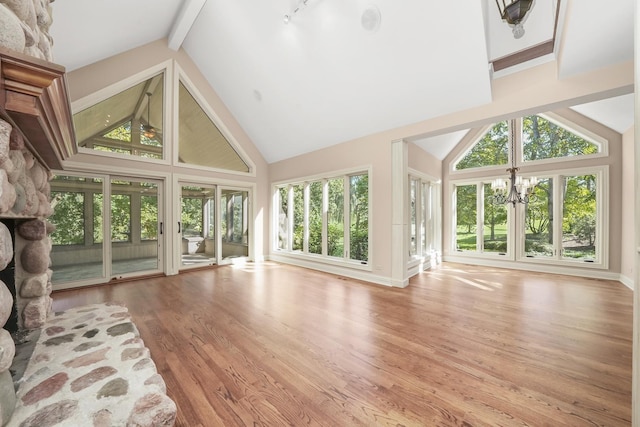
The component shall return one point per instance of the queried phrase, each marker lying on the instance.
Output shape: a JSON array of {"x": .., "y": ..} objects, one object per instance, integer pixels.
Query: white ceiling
[{"x": 324, "y": 78}]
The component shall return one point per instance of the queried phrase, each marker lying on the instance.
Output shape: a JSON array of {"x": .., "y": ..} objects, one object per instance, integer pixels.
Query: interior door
[
  {"x": 136, "y": 227},
  {"x": 234, "y": 223}
]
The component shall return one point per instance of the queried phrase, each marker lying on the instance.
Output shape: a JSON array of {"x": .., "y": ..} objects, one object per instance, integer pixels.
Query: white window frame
[{"x": 343, "y": 261}]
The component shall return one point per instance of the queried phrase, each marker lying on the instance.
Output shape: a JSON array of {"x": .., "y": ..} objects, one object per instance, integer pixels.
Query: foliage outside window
[
  {"x": 325, "y": 226},
  {"x": 68, "y": 217},
  {"x": 120, "y": 218},
  {"x": 490, "y": 150},
  {"x": 543, "y": 139},
  {"x": 579, "y": 217},
  {"x": 359, "y": 224},
  {"x": 315, "y": 217},
  {"x": 149, "y": 217},
  {"x": 466, "y": 217},
  {"x": 495, "y": 224},
  {"x": 335, "y": 238}
]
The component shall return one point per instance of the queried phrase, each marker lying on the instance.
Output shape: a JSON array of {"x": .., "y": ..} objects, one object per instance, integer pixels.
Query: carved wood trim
[{"x": 34, "y": 98}]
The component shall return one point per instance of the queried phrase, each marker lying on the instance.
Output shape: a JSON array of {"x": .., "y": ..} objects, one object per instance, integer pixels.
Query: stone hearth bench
[{"x": 90, "y": 368}]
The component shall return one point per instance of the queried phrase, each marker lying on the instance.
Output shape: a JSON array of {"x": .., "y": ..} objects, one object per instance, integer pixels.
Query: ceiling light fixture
[
  {"x": 147, "y": 129},
  {"x": 514, "y": 13},
  {"x": 520, "y": 189},
  {"x": 288, "y": 17}
]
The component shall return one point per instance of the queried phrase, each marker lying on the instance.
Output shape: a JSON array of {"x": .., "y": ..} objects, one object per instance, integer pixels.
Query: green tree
[
  {"x": 359, "y": 217},
  {"x": 315, "y": 217},
  {"x": 335, "y": 238},
  {"x": 121, "y": 218},
  {"x": 490, "y": 150},
  {"x": 68, "y": 217}
]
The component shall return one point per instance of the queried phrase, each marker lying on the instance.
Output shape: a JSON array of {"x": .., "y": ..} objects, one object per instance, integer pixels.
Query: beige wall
[
  {"x": 92, "y": 78},
  {"x": 423, "y": 162},
  {"x": 627, "y": 258}
]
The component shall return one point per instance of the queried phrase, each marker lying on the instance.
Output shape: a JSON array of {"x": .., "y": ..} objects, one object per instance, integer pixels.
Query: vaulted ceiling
[{"x": 342, "y": 70}]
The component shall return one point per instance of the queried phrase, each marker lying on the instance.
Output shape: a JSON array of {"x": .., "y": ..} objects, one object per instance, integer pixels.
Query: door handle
[
  {"x": 161, "y": 231},
  {"x": 179, "y": 227}
]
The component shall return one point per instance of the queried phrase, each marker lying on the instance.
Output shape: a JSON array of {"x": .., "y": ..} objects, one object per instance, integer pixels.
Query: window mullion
[
  {"x": 479, "y": 217},
  {"x": 290, "y": 218},
  {"x": 346, "y": 212}
]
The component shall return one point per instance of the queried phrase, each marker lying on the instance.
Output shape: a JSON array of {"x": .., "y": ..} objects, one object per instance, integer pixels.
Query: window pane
[
  {"x": 491, "y": 150},
  {"x": 543, "y": 139},
  {"x": 74, "y": 256},
  {"x": 579, "y": 217},
  {"x": 68, "y": 217},
  {"x": 298, "y": 217},
  {"x": 235, "y": 223},
  {"x": 495, "y": 223},
  {"x": 283, "y": 222},
  {"x": 466, "y": 209},
  {"x": 539, "y": 220},
  {"x": 413, "y": 249},
  {"x": 200, "y": 141},
  {"x": 149, "y": 217},
  {"x": 192, "y": 212},
  {"x": 359, "y": 217},
  {"x": 425, "y": 223},
  {"x": 315, "y": 217},
  {"x": 119, "y": 123},
  {"x": 120, "y": 218},
  {"x": 335, "y": 239}
]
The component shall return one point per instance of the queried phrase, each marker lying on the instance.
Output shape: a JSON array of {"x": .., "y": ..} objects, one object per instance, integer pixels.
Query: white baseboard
[
  {"x": 337, "y": 270},
  {"x": 542, "y": 268},
  {"x": 627, "y": 282}
]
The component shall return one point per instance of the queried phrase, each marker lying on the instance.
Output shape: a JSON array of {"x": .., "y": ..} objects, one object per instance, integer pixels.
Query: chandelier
[
  {"x": 518, "y": 189},
  {"x": 514, "y": 13}
]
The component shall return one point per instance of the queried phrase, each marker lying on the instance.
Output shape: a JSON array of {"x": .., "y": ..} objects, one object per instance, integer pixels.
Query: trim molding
[
  {"x": 543, "y": 268},
  {"x": 339, "y": 271},
  {"x": 628, "y": 282}
]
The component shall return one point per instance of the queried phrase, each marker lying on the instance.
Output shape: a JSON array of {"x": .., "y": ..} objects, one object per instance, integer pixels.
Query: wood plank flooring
[{"x": 276, "y": 345}]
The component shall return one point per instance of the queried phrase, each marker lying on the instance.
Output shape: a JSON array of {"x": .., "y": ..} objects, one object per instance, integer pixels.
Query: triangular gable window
[
  {"x": 544, "y": 139},
  {"x": 490, "y": 150},
  {"x": 130, "y": 122},
  {"x": 200, "y": 141}
]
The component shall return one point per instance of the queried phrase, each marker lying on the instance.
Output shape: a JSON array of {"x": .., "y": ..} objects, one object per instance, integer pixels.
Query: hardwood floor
[{"x": 275, "y": 345}]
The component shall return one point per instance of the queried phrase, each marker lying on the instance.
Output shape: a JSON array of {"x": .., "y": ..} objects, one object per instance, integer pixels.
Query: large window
[
  {"x": 329, "y": 217},
  {"x": 128, "y": 123},
  {"x": 423, "y": 225},
  {"x": 566, "y": 212}
]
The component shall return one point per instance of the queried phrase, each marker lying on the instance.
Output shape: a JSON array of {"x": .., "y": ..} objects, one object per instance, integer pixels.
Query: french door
[
  {"x": 197, "y": 226},
  {"x": 106, "y": 227}
]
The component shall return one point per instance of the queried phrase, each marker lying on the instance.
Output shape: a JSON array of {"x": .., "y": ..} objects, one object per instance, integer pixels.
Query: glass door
[
  {"x": 135, "y": 225},
  {"x": 197, "y": 227},
  {"x": 234, "y": 223}
]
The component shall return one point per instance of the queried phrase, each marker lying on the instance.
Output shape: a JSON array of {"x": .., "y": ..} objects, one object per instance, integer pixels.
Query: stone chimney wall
[
  {"x": 24, "y": 195},
  {"x": 25, "y": 27}
]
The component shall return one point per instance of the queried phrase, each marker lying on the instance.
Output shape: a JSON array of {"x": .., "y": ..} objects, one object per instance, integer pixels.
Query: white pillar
[{"x": 399, "y": 213}]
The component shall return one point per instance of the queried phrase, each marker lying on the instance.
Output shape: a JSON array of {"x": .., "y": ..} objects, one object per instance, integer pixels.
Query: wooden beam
[{"x": 186, "y": 17}]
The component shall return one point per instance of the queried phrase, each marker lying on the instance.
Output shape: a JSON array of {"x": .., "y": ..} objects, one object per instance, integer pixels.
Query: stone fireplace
[{"x": 36, "y": 135}]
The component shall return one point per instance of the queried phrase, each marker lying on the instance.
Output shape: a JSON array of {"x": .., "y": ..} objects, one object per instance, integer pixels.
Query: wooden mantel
[{"x": 34, "y": 98}]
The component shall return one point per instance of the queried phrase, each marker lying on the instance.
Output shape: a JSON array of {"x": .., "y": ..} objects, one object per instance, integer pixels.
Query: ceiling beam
[{"x": 186, "y": 17}]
